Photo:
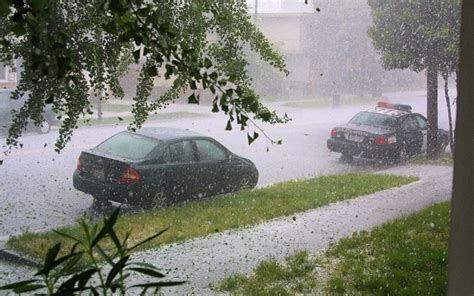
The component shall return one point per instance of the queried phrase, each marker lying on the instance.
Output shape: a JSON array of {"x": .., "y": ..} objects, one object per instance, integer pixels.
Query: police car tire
[
  {"x": 403, "y": 153},
  {"x": 346, "y": 157}
]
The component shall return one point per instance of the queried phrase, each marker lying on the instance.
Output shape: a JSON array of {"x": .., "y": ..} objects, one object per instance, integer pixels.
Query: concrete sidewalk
[{"x": 216, "y": 257}]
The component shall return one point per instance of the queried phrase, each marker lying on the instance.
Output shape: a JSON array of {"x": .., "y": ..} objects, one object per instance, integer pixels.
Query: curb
[{"x": 15, "y": 258}]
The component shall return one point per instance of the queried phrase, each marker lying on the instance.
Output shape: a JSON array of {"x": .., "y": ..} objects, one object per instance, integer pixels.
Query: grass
[
  {"x": 128, "y": 119},
  {"x": 405, "y": 257},
  {"x": 321, "y": 102},
  {"x": 444, "y": 158},
  {"x": 116, "y": 108},
  {"x": 245, "y": 208}
]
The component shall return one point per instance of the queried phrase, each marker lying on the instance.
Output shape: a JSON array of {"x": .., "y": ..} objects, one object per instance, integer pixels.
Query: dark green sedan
[{"x": 155, "y": 167}]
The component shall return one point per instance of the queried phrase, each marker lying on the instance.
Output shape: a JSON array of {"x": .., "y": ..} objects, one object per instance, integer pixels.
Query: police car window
[
  {"x": 374, "y": 119},
  {"x": 409, "y": 123},
  {"x": 209, "y": 151},
  {"x": 182, "y": 152},
  {"x": 422, "y": 122}
]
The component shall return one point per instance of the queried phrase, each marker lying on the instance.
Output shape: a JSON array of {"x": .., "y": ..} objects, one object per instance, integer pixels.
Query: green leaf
[
  {"x": 229, "y": 126},
  {"x": 104, "y": 255},
  {"x": 148, "y": 239},
  {"x": 215, "y": 108},
  {"x": 17, "y": 284},
  {"x": 193, "y": 99},
  {"x": 152, "y": 71},
  {"x": 148, "y": 271},
  {"x": 4, "y": 8},
  {"x": 158, "y": 284},
  {"x": 207, "y": 63},
  {"x": 49, "y": 259},
  {"x": 255, "y": 135},
  {"x": 249, "y": 138},
  {"x": 136, "y": 54},
  {"x": 265, "y": 116},
  {"x": 28, "y": 288},
  {"x": 38, "y": 4},
  {"x": 66, "y": 235},
  {"x": 19, "y": 29},
  {"x": 116, "y": 269},
  {"x": 80, "y": 279},
  {"x": 56, "y": 263}
]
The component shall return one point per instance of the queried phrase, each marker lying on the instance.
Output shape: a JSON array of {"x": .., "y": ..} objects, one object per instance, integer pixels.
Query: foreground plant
[{"x": 79, "y": 270}]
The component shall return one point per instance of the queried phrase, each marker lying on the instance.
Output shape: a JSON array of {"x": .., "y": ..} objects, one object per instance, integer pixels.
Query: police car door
[
  {"x": 412, "y": 134},
  {"x": 423, "y": 123}
]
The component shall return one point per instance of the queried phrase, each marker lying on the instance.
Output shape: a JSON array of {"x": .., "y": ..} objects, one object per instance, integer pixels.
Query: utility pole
[{"x": 256, "y": 11}]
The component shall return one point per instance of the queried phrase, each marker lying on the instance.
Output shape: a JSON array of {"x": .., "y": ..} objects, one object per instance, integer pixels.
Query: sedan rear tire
[
  {"x": 101, "y": 204},
  {"x": 158, "y": 199},
  {"x": 246, "y": 182}
]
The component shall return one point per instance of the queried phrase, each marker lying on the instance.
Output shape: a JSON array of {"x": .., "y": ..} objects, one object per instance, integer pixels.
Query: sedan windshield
[
  {"x": 374, "y": 119},
  {"x": 129, "y": 146}
]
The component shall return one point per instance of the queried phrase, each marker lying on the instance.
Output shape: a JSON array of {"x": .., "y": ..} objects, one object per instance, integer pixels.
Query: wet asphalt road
[{"x": 36, "y": 190}]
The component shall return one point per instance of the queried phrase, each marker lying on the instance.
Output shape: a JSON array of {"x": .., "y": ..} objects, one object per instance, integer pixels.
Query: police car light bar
[{"x": 401, "y": 107}]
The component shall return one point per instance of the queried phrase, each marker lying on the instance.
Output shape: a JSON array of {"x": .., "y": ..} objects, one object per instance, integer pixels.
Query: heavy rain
[{"x": 365, "y": 103}]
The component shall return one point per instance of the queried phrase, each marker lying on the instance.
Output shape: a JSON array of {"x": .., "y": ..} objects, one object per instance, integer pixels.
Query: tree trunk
[
  {"x": 432, "y": 111},
  {"x": 461, "y": 241},
  {"x": 450, "y": 117}
]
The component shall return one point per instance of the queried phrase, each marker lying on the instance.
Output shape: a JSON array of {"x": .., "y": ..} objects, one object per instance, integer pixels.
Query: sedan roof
[{"x": 166, "y": 133}]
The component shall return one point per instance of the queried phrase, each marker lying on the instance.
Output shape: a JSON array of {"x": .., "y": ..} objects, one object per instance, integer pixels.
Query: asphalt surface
[{"x": 36, "y": 190}]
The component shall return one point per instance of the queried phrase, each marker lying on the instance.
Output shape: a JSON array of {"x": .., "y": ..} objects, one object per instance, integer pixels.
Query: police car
[{"x": 389, "y": 131}]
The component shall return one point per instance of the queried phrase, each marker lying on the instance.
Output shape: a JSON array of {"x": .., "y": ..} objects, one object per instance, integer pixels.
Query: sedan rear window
[
  {"x": 129, "y": 146},
  {"x": 374, "y": 119}
]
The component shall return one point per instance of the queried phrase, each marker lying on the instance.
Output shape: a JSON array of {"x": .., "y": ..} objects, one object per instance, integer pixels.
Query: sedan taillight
[
  {"x": 380, "y": 140},
  {"x": 78, "y": 164},
  {"x": 130, "y": 175}
]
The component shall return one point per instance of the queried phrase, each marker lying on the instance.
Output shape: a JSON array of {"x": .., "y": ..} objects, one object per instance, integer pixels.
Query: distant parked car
[
  {"x": 389, "y": 131},
  {"x": 158, "y": 166},
  {"x": 6, "y": 106}
]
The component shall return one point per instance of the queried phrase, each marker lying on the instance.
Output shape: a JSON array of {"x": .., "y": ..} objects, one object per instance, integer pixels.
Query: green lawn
[
  {"x": 116, "y": 108},
  {"x": 320, "y": 102},
  {"x": 128, "y": 119},
  {"x": 404, "y": 257},
  {"x": 242, "y": 209},
  {"x": 445, "y": 158}
]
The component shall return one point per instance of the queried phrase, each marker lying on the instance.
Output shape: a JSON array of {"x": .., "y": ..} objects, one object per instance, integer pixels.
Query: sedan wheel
[
  {"x": 246, "y": 182},
  {"x": 159, "y": 200}
]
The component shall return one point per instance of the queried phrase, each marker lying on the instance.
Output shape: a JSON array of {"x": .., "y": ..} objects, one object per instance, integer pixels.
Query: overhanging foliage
[{"x": 74, "y": 48}]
